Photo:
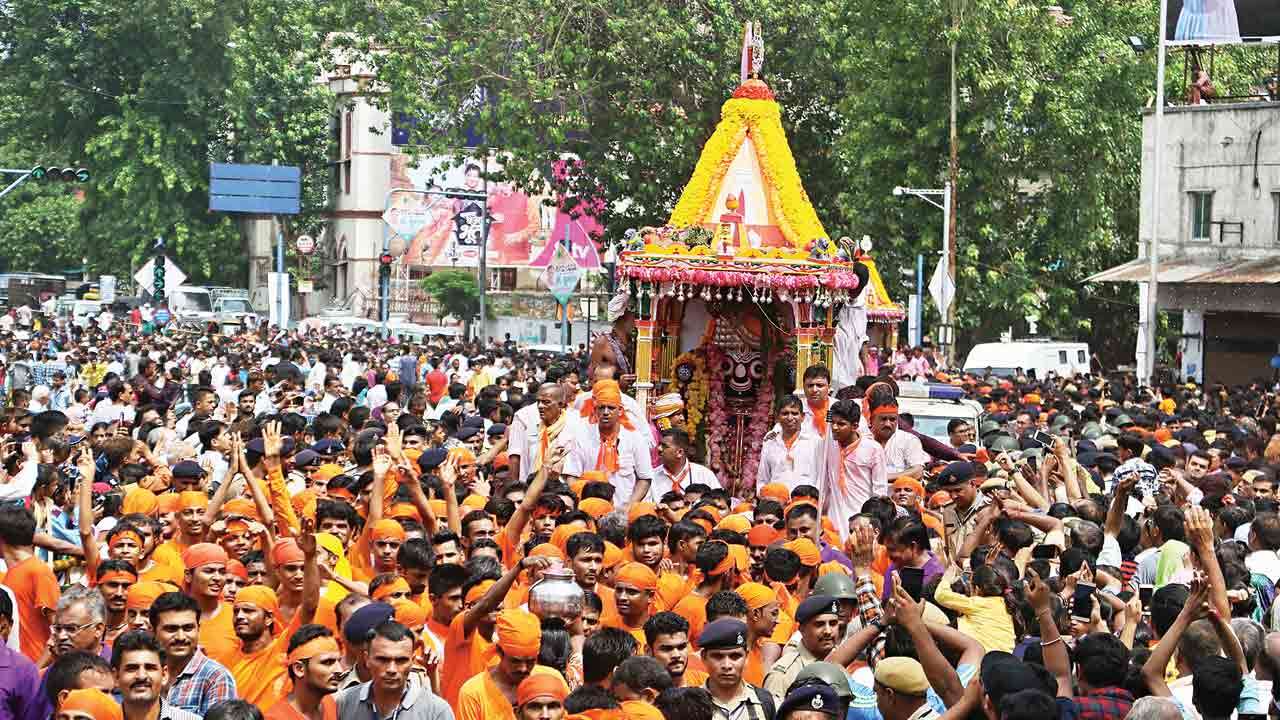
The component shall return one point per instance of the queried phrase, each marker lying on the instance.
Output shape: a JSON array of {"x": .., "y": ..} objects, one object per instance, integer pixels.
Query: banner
[
  {"x": 443, "y": 229},
  {"x": 1222, "y": 22}
]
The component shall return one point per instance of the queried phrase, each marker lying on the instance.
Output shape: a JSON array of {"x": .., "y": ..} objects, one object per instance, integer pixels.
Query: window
[
  {"x": 1201, "y": 215},
  {"x": 1062, "y": 357},
  {"x": 1080, "y": 357},
  {"x": 1275, "y": 204}
]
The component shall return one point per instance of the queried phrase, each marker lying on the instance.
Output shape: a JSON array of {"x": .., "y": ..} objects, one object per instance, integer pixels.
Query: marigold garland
[
  {"x": 695, "y": 398},
  {"x": 763, "y": 119}
]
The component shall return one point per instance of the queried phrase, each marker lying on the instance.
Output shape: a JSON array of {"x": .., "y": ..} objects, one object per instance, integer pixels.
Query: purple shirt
[
  {"x": 933, "y": 569},
  {"x": 22, "y": 695}
]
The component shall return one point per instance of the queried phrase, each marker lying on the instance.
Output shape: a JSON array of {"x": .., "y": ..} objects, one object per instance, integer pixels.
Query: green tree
[
  {"x": 457, "y": 292},
  {"x": 148, "y": 93}
]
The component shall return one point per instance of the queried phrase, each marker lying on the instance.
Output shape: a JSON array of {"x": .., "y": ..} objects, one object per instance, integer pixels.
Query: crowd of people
[{"x": 329, "y": 525}]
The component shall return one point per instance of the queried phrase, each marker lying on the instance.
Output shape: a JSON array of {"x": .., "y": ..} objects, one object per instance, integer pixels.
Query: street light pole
[{"x": 946, "y": 333}]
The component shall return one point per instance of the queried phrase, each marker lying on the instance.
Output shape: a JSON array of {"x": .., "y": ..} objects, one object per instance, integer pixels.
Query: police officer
[
  {"x": 724, "y": 652},
  {"x": 819, "y": 619},
  {"x": 810, "y": 702}
]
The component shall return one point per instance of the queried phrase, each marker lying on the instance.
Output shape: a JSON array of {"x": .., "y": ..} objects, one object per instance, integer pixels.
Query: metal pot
[{"x": 556, "y": 594}]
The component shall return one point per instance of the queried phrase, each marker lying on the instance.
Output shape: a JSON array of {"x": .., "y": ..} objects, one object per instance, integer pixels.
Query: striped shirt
[{"x": 202, "y": 684}]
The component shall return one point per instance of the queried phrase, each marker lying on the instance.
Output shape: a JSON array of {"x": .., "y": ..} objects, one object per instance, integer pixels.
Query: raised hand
[
  {"x": 381, "y": 461},
  {"x": 307, "y": 540},
  {"x": 272, "y": 442}
]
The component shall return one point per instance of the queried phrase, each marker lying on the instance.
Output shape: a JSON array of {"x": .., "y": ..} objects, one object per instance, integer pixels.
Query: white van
[
  {"x": 934, "y": 406},
  {"x": 1005, "y": 359}
]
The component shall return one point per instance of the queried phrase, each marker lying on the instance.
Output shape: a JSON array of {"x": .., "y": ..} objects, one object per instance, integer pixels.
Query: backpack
[{"x": 766, "y": 699}]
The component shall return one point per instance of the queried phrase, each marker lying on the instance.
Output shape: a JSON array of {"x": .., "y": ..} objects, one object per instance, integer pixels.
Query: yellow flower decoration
[{"x": 790, "y": 204}]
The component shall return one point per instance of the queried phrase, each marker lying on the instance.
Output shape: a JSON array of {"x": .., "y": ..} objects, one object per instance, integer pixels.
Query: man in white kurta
[
  {"x": 856, "y": 468},
  {"x": 611, "y": 444},
  {"x": 796, "y": 463},
  {"x": 675, "y": 470}
]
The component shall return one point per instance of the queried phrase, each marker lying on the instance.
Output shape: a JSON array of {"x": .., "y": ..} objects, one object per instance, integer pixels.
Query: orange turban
[
  {"x": 461, "y": 454},
  {"x": 168, "y": 502},
  {"x": 735, "y": 523},
  {"x": 546, "y": 549},
  {"x": 590, "y": 476},
  {"x": 304, "y": 503},
  {"x": 640, "y": 509},
  {"x": 438, "y": 508},
  {"x": 576, "y": 486},
  {"x": 939, "y": 499},
  {"x": 741, "y": 557},
  {"x": 775, "y": 491},
  {"x": 260, "y": 595},
  {"x": 757, "y": 595},
  {"x": 762, "y": 536},
  {"x": 607, "y": 391},
  {"x": 92, "y": 702},
  {"x": 285, "y": 551},
  {"x": 909, "y": 483},
  {"x": 560, "y": 536},
  {"x": 542, "y": 685},
  {"x": 326, "y": 472},
  {"x": 237, "y": 568},
  {"x": 386, "y": 590},
  {"x": 596, "y": 507},
  {"x": 313, "y": 647},
  {"x": 240, "y": 506},
  {"x": 409, "y": 613},
  {"x": 386, "y": 528},
  {"x": 798, "y": 502},
  {"x": 188, "y": 499},
  {"x": 140, "y": 501},
  {"x": 612, "y": 554},
  {"x": 704, "y": 524},
  {"x": 640, "y": 710},
  {"x": 633, "y": 573},
  {"x": 405, "y": 511},
  {"x": 125, "y": 535},
  {"x": 519, "y": 633},
  {"x": 203, "y": 554},
  {"x": 475, "y": 502},
  {"x": 1163, "y": 434},
  {"x": 834, "y": 566},
  {"x": 142, "y": 594},
  {"x": 808, "y": 552},
  {"x": 477, "y": 592}
]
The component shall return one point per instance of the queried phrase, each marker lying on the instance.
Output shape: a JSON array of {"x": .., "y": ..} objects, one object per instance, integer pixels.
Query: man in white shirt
[
  {"x": 855, "y": 468},
  {"x": 675, "y": 469},
  {"x": 792, "y": 453},
  {"x": 117, "y": 406},
  {"x": 551, "y": 426},
  {"x": 611, "y": 444},
  {"x": 1264, "y": 541},
  {"x": 904, "y": 455}
]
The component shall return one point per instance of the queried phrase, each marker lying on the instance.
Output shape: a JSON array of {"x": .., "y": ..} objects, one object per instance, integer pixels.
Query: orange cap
[
  {"x": 168, "y": 503},
  {"x": 409, "y": 613},
  {"x": 775, "y": 491},
  {"x": 142, "y": 594},
  {"x": 386, "y": 528},
  {"x": 808, "y": 552},
  {"x": 640, "y": 509},
  {"x": 259, "y": 595},
  {"x": 140, "y": 501},
  {"x": 519, "y": 633},
  {"x": 762, "y": 535},
  {"x": 633, "y": 573},
  {"x": 93, "y": 702},
  {"x": 541, "y": 686},
  {"x": 596, "y": 507},
  {"x": 203, "y": 554},
  {"x": 735, "y": 523},
  {"x": 188, "y": 499},
  {"x": 240, "y": 506},
  {"x": 286, "y": 551}
]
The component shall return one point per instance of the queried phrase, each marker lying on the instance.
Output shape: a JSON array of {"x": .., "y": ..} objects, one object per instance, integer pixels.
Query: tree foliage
[
  {"x": 147, "y": 94},
  {"x": 456, "y": 290}
]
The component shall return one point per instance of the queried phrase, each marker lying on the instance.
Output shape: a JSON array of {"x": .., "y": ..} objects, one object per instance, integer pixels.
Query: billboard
[
  {"x": 1221, "y": 22},
  {"x": 445, "y": 231}
]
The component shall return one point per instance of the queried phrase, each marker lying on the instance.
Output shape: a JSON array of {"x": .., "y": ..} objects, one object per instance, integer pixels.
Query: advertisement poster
[
  {"x": 443, "y": 228},
  {"x": 1221, "y": 22}
]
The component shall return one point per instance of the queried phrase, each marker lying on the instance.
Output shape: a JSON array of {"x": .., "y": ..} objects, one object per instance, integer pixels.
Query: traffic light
[
  {"x": 385, "y": 259},
  {"x": 60, "y": 174}
]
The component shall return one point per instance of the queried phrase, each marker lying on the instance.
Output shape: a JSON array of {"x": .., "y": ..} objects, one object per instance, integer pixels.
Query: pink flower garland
[
  {"x": 717, "y": 418},
  {"x": 757, "y": 425},
  {"x": 828, "y": 278}
]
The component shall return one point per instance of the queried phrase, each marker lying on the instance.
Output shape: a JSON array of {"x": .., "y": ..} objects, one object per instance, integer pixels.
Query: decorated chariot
[{"x": 743, "y": 289}]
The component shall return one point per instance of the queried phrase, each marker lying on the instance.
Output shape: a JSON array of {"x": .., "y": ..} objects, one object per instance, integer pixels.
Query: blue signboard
[{"x": 257, "y": 189}]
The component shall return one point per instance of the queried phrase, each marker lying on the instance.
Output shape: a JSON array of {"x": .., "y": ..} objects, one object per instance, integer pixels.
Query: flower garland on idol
[
  {"x": 696, "y": 392},
  {"x": 717, "y": 417},
  {"x": 758, "y": 424}
]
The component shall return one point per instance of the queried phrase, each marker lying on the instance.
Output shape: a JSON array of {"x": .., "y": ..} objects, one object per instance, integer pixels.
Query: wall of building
[
  {"x": 1238, "y": 347},
  {"x": 1232, "y": 150}
]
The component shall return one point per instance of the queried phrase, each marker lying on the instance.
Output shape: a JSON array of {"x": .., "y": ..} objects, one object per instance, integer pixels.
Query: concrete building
[
  {"x": 373, "y": 172},
  {"x": 1218, "y": 234}
]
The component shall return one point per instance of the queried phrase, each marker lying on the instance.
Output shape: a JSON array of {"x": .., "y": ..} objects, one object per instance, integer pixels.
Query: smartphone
[
  {"x": 1082, "y": 602},
  {"x": 1044, "y": 552},
  {"x": 912, "y": 581},
  {"x": 1043, "y": 439},
  {"x": 1145, "y": 592}
]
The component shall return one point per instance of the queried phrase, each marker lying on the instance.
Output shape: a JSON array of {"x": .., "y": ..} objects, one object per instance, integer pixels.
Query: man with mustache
[
  {"x": 139, "y": 664},
  {"x": 197, "y": 682}
]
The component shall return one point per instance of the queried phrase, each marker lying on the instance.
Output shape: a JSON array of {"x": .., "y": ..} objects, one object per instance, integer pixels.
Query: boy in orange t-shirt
[{"x": 35, "y": 589}]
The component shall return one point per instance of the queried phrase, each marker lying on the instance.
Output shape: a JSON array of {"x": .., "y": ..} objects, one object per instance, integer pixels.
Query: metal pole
[
  {"x": 564, "y": 311},
  {"x": 1147, "y": 371},
  {"x": 919, "y": 299},
  {"x": 484, "y": 248},
  {"x": 949, "y": 252},
  {"x": 21, "y": 177},
  {"x": 949, "y": 242},
  {"x": 282, "y": 287}
]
